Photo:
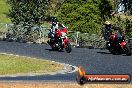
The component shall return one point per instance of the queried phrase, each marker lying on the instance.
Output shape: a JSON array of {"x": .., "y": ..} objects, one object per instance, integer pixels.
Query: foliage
[
  {"x": 83, "y": 15},
  {"x": 24, "y": 33},
  {"x": 129, "y": 27},
  {"x": 54, "y": 5},
  {"x": 30, "y": 11},
  {"x": 93, "y": 40},
  {"x": 73, "y": 14},
  {"x": 130, "y": 6},
  {"x": 123, "y": 24},
  {"x": 105, "y": 7}
]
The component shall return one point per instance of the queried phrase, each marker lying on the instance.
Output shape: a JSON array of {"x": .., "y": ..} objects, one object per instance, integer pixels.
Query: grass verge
[{"x": 11, "y": 64}]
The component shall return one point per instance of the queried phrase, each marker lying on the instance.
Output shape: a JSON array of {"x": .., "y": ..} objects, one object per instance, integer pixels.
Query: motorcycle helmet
[
  {"x": 53, "y": 19},
  {"x": 108, "y": 25},
  {"x": 107, "y": 22}
]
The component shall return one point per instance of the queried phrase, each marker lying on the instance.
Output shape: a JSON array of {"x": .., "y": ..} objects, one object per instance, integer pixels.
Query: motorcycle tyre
[
  {"x": 127, "y": 50},
  {"x": 68, "y": 48}
]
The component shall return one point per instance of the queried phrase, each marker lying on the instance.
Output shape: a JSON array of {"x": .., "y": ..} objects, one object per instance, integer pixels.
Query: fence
[
  {"x": 87, "y": 40},
  {"x": 91, "y": 41},
  {"x": 76, "y": 38},
  {"x": 3, "y": 30},
  {"x": 6, "y": 28}
]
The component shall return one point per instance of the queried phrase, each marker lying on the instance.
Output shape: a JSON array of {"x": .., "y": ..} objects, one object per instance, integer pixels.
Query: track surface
[{"x": 95, "y": 61}]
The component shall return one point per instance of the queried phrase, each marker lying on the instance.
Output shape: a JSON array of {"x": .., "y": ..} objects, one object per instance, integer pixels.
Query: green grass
[
  {"x": 4, "y": 10},
  {"x": 11, "y": 64}
]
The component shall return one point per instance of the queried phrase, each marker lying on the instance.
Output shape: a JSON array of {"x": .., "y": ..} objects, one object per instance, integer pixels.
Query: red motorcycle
[
  {"x": 60, "y": 41},
  {"x": 118, "y": 45}
]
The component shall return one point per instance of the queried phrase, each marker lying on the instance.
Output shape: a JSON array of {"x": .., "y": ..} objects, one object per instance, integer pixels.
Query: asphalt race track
[{"x": 95, "y": 61}]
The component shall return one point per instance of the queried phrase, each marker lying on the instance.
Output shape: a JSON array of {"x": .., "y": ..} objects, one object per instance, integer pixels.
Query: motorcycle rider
[
  {"x": 107, "y": 30},
  {"x": 54, "y": 27}
]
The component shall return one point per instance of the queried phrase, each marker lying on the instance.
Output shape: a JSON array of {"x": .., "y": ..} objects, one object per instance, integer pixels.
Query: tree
[
  {"x": 27, "y": 15},
  {"x": 130, "y": 6},
  {"x": 30, "y": 11},
  {"x": 84, "y": 15},
  {"x": 105, "y": 8},
  {"x": 54, "y": 5}
]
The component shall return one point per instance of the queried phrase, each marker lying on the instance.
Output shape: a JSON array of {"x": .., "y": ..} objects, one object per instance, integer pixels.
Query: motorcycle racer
[
  {"x": 107, "y": 30},
  {"x": 115, "y": 42},
  {"x": 59, "y": 40},
  {"x": 55, "y": 25}
]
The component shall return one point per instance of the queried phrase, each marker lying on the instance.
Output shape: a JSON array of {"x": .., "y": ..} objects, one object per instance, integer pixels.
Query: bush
[
  {"x": 93, "y": 40},
  {"x": 31, "y": 11},
  {"x": 84, "y": 16},
  {"x": 129, "y": 28},
  {"x": 25, "y": 14},
  {"x": 123, "y": 24},
  {"x": 23, "y": 33}
]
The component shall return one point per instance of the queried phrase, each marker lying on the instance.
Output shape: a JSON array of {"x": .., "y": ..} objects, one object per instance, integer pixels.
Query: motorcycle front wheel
[
  {"x": 68, "y": 48},
  {"x": 127, "y": 50}
]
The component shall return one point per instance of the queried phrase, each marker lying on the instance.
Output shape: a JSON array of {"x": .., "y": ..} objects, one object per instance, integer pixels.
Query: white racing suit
[{"x": 54, "y": 26}]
